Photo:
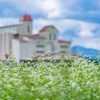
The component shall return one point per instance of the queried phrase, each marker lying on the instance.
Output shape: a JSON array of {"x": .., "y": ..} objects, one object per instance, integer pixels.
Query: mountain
[{"x": 85, "y": 51}]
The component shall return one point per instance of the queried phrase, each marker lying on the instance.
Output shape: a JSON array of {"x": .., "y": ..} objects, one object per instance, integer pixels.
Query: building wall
[
  {"x": 30, "y": 47},
  {"x": 51, "y": 45},
  {"x": 24, "y": 50},
  {"x": 16, "y": 50},
  {"x": 8, "y": 30},
  {"x": 54, "y": 45},
  {"x": 33, "y": 46},
  {"x": 5, "y": 45},
  {"x": 6, "y": 35},
  {"x": 67, "y": 49},
  {"x": 22, "y": 28}
]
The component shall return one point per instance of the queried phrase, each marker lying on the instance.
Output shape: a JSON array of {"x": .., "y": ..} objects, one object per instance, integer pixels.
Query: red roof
[
  {"x": 51, "y": 54},
  {"x": 36, "y": 60},
  {"x": 44, "y": 29},
  {"x": 9, "y": 26},
  {"x": 46, "y": 55},
  {"x": 26, "y": 18},
  {"x": 63, "y": 41},
  {"x": 34, "y": 36},
  {"x": 19, "y": 39}
]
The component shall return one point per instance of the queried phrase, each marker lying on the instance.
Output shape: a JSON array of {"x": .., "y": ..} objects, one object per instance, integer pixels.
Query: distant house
[{"x": 19, "y": 38}]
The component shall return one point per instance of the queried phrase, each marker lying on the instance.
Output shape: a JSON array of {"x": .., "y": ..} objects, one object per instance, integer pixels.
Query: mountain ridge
[{"x": 86, "y": 51}]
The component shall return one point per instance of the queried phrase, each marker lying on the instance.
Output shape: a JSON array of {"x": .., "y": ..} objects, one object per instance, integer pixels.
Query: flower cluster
[{"x": 50, "y": 81}]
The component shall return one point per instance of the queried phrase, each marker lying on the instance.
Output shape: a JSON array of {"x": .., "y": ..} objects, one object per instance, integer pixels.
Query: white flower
[
  {"x": 73, "y": 84},
  {"x": 9, "y": 86},
  {"x": 37, "y": 99},
  {"x": 1, "y": 82},
  {"x": 32, "y": 88},
  {"x": 97, "y": 96}
]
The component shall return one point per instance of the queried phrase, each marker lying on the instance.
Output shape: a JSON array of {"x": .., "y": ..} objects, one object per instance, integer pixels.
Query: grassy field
[{"x": 37, "y": 81}]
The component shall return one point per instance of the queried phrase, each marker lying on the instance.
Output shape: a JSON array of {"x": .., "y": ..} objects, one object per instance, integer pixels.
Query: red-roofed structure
[
  {"x": 34, "y": 36},
  {"x": 63, "y": 41},
  {"x": 20, "y": 39},
  {"x": 45, "y": 28},
  {"x": 25, "y": 43},
  {"x": 26, "y": 18}
]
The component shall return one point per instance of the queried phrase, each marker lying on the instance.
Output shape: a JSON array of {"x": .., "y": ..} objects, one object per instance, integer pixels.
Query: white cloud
[
  {"x": 8, "y": 21},
  {"x": 53, "y": 8},
  {"x": 87, "y": 42},
  {"x": 44, "y": 7},
  {"x": 49, "y": 5},
  {"x": 54, "y": 14},
  {"x": 86, "y": 33},
  {"x": 2, "y": 0},
  {"x": 38, "y": 24},
  {"x": 48, "y": 8},
  {"x": 93, "y": 12},
  {"x": 82, "y": 29},
  {"x": 6, "y": 12}
]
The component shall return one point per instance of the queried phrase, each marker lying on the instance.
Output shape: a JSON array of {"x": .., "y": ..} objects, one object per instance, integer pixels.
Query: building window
[
  {"x": 28, "y": 23},
  {"x": 39, "y": 45},
  {"x": 52, "y": 27},
  {"x": 14, "y": 30},
  {"x": 28, "y": 28},
  {"x": 16, "y": 36},
  {"x": 40, "y": 51},
  {"x": 49, "y": 36},
  {"x": 54, "y": 36},
  {"x": 63, "y": 51},
  {"x": 64, "y": 46}
]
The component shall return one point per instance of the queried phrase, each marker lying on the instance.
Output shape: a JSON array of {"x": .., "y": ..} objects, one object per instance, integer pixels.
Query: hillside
[{"x": 86, "y": 51}]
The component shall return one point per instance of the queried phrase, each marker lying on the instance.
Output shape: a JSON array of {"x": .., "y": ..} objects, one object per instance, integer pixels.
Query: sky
[{"x": 77, "y": 21}]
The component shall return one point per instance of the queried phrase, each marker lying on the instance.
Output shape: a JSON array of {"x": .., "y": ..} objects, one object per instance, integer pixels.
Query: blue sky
[{"x": 76, "y": 20}]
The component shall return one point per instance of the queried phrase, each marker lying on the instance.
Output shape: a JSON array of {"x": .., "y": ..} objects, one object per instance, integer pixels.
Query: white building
[{"x": 19, "y": 38}]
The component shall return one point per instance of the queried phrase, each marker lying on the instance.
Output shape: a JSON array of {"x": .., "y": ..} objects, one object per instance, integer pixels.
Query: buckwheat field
[{"x": 77, "y": 79}]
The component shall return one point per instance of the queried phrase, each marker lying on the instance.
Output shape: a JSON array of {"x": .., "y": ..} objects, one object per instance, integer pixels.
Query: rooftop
[
  {"x": 20, "y": 39},
  {"x": 45, "y": 28},
  {"x": 63, "y": 41},
  {"x": 9, "y": 26},
  {"x": 34, "y": 36},
  {"x": 26, "y": 18}
]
